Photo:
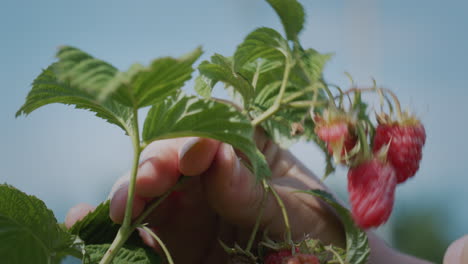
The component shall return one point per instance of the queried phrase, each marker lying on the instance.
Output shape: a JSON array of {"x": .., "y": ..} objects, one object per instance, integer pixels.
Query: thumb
[{"x": 457, "y": 252}]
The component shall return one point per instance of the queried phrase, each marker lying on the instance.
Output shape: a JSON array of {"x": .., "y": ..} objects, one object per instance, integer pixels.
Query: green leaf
[
  {"x": 264, "y": 43},
  {"x": 357, "y": 245},
  {"x": 313, "y": 63},
  {"x": 291, "y": 14},
  {"x": 220, "y": 69},
  {"x": 97, "y": 228},
  {"x": 29, "y": 232},
  {"x": 203, "y": 86},
  {"x": 48, "y": 89},
  {"x": 143, "y": 86},
  {"x": 83, "y": 71},
  {"x": 126, "y": 254},
  {"x": 182, "y": 116}
]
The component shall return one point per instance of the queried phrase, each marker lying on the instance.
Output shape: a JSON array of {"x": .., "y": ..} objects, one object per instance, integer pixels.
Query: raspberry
[
  {"x": 371, "y": 187},
  {"x": 302, "y": 259},
  {"x": 336, "y": 130},
  {"x": 277, "y": 257},
  {"x": 348, "y": 144},
  {"x": 333, "y": 132},
  {"x": 405, "y": 149}
]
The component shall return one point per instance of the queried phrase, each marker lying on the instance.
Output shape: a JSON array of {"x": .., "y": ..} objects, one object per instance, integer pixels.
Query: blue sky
[{"x": 64, "y": 156}]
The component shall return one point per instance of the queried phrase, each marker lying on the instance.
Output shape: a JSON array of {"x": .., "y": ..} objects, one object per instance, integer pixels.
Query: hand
[
  {"x": 220, "y": 200},
  {"x": 457, "y": 252}
]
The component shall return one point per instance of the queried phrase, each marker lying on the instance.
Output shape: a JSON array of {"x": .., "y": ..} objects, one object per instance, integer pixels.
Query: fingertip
[
  {"x": 156, "y": 175},
  {"x": 77, "y": 212},
  {"x": 119, "y": 202},
  {"x": 230, "y": 187},
  {"x": 196, "y": 155}
]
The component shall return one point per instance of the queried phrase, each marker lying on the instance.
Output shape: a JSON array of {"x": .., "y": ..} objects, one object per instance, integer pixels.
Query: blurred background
[{"x": 416, "y": 48}]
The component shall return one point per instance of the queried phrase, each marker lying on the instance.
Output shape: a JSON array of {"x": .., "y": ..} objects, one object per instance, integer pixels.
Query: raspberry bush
[{"x": 277, "y": 85}]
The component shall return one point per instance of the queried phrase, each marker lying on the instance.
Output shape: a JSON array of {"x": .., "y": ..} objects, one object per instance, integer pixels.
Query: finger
[
  {"x": 77, "y": 212},
  {"x": 457, "y": 252},
  {"x": 307, "y": 214},
  {"x": 166, "y": 160},
  {"x": 119, "y": 202},
  {"x": 232, "y": 191},
  {"x": 161, "y": 170},
  {"x": 196, "y": 155}
]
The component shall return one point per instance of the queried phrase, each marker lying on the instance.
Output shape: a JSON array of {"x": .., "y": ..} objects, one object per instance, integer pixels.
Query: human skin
[{"x": 221, "y": 200}]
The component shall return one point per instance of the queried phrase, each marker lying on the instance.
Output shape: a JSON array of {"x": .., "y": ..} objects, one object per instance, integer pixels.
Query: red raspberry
[
  {"x": 405, "y": 150},
  {"x": 332, "y": 132},
  {"x": 277, "y": 257},
  {"x": 302, "y": 259},
  {"x": 348, "y": 144},
  {"x": 335, "y": 129},
  {"x": 371, "y": 187}
]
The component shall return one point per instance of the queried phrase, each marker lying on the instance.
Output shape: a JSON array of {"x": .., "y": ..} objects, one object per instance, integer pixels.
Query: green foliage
[
  {"x": 48, "y": 89},
  {"x": 83, "y": 71},
  {"x": 264, "y": 43},
  {"x": 126, "y": 254},
  {"x": 29, "y": 232},
  {"x": 313, "y": 63},
  {"x": 203, "y": 86},
  {"x": 144, "y": 86},
  {"x": 357, "y": 245},
  {"x": 180, "y": 116},
  {"x": 291, "y": 14},
  {"x": 278, "y": 83},
  {"x": 97, "y": 228},
  {"x": 220, "y": 69}
]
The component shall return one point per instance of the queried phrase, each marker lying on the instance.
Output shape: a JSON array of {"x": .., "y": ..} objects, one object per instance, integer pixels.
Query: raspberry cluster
[{"x": 378, "y": 159}]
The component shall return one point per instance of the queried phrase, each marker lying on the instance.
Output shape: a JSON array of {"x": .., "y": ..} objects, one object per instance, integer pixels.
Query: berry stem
[
  {"x": 363, "y": 141},
  {"x": 283, "y": 210},
  {"x": 304, "y": 104},
  {"x": 257, "y": 221},
  {"x": 330, "y": 248},
  {"x": 295, "y": 95},
  {"x": 150, "y": 208},
  {"x": 373, "y": 89},
  {"x": 160, "y": 242}
]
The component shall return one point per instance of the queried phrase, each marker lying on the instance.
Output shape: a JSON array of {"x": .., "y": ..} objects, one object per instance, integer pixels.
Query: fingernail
[
  {"x": 188, "y": 146},
  {"x": 231, "y": 154},
  {"x": 146, "y": 169}
]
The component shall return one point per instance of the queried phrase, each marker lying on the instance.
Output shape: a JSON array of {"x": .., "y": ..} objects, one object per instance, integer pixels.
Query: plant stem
[
  {"x": 163, "y": 246},
  {"x": 150, "y": 208},
  {"x": 276, "y": 105},
  {"x": 119, "y": 240},
  {"x": 330, "y": 248},
  {"x": 283, "y": 210},
  {"x": 259, "y": 218},
  {"x": 136, "y": 159},
  {"x": 126, "y": 230},
  {"x": 298, "y": 94},
  {"x": 304, "y": 104},
  {"x": 256, "y": 75}
]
